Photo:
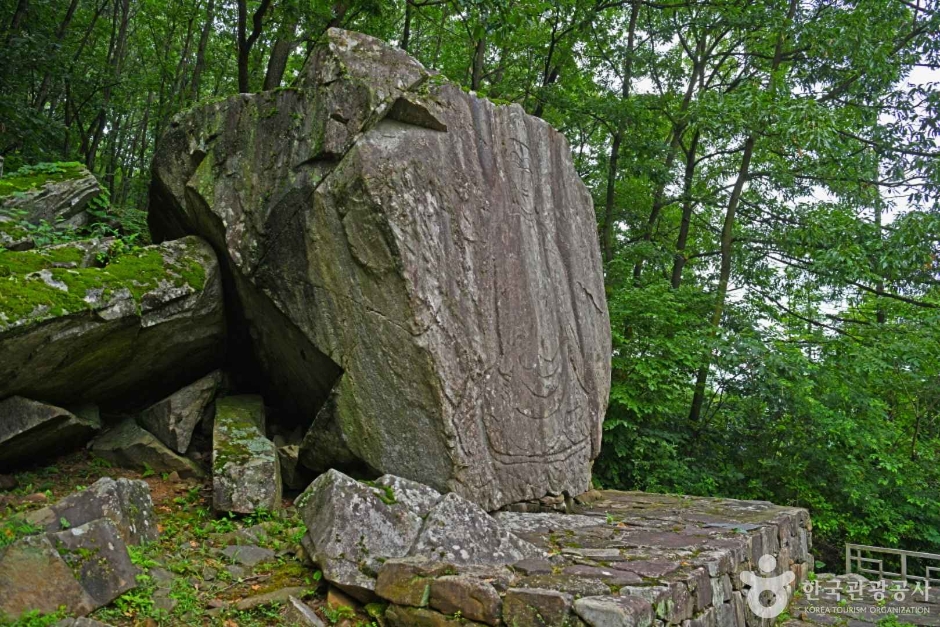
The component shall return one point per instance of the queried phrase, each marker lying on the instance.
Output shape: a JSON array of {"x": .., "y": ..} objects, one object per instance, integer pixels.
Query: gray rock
[
  {"x": 79, "y": 622},
  {"x": 30, "y": 430},
  {"x": 248, "y": 555},
  {"x": 379, "y": 198},
  {"x": 129, "y": 446},
  {"x": 97, "y": 555},
  {"x": 398, "y": 616},
  {"x": 417, "y": 497},
  {"x": 294, "y": 475},
  {"x": 245, "y": 471},
  {"x": 458, "y": 531},
  {"x": 351, "y": 530},
  {"x": 535, "y": 607},
  {"x": 408, "y": 581},
  {"x": 174, "y": 418},
  {"x": 139, "y": 328},
  {"x": 622, "y": 611},
  {"x": 300, "y": 614},
  {"x": 33, "y": 576},
  {"x": 465, "y": 596},
  {"x": 610, "y": 576},
  {"x": 125, "y": 502}
]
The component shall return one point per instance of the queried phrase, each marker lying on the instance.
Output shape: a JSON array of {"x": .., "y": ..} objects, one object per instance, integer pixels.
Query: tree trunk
[
  {"x": 201, "y": 51},
  {"x": 247, "y": 41},
  {"x": 42, "y": 96},
  {"x": 406, "y": 29},
  {"x": 280, "y": 53},
  {"x": 479, "y": 54},
  {"x": 687, "y": 205},
  {"x": 16, "y": 22}
]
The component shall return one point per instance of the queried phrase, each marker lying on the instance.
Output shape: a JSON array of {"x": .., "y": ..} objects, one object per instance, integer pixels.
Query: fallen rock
[
  {"x": 537, "y": 607},
  {"x": 33, "y": 576},
  {"x": 140, "y": 327},
  {"x": 356, "y": 531},
  {"x": 465, "y": 596},
  {"x": 614, "y": 611},
  {"x": 56, "y": 193},
  {"x": 352, "y": 529},
  {"x": 30, "y": 430},
  {"x": 8, "y": 482},
  {"x": 97, "y": 555},
  {"x": 174, "y": 418},
  {"x": 300, "y": 614},
  {"x": 276, "y": 596},
  {"x": 248, "y": 555},
  {"x": 294, "y": 475},
  {"x": 129, "y": 446},
  {"x": 125, "y": 502},
  {"x": 245, "y": 472},
  {"x": 454, "y": 235}
]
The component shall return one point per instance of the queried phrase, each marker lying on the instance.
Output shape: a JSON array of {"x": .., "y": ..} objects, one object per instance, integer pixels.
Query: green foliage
[{"x": 15, "y": 528}]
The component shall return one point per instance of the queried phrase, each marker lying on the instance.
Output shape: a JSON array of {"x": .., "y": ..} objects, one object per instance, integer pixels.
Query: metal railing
[{"x": 876, "y": 565}]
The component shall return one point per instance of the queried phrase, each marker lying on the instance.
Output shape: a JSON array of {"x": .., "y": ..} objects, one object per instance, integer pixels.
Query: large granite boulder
[
  {"x": 417, "y": 269},
  {"x": 56, "y": 193},
  {"x": 141, "y": 326},
  {"x": 29, "y": 428}
]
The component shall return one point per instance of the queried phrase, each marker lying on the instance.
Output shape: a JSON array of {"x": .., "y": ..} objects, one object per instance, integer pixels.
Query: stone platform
[{"x": 617, "y": 558}]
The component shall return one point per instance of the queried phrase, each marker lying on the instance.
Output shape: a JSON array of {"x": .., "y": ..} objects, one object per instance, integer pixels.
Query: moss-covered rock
[
  {"x": 144, "y": 324},
  {"x": 246, "y": 473},
  {"x": 58, "y": 194}
]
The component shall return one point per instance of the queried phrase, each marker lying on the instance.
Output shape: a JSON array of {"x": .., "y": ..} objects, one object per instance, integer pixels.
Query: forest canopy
[{"x": 765, "y": 177}]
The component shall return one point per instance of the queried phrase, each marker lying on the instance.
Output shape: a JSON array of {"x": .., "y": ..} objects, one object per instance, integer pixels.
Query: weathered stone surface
[
  {"x": 351, "y": 529},
  {"x": 398, "y": 616},
  {"x": 245, "y": 471},
  {"x": 125, "y": 502},
  {"x": 466, "y": 596},
  {"x": 300, "y": 614},
  {"x": 80, "y": 622},
  {"x": 30, "y": 430},
  {"x": 174, "y": 418},
  {"x": 537, "y": 608},
  {"x": 577, "y": 586},
  {"x": 247, "y": 554},
  {"x": 620, "y": 611},
  {"x": 344, "y": 204},
  {"x": 143, "y": 325},
  {"x": 98, "y": 557},
  {"x": 59, "y": 198},
  {"x": 408, "y": 581},
  {"x": 33, "y": 576},
  {"x": 610, "y": 576},
  {"x": 129, "y": 446},
  {"x": 459, "y": 532},
  {"x": 417, "y": 497}
]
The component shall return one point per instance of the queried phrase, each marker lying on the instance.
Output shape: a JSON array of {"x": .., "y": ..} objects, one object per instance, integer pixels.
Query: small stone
[
  {"x": 536, "y": 607},
  {"x": 276, "y": 596},
  {"x": 533, "y": 567},
  {"x": 294, "y": 475},
  {"x": 173, "y": 419},
  {"x": 248, "y": 555},
  {"x": 8, "y": 482},
  {"x": 84, "y": 622},
  {"x": 337, "y": 598},
  {"x": 174, "y": 477},
  {"x": 578, "y": 586},
  {"x": 615, "y": 611},
  {"x": 245, "y": 470},
  {"x": 130, "y": 446},
  {"x": 300, "y": 614},
  {"x": 36, "y": 497},
  {"x": 607, "y": 575},
  {"x": 237, "y": 572},
  {"x": 477, "y": 600}
]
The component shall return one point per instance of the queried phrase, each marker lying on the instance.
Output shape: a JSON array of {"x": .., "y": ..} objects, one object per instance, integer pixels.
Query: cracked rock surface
[{"x": 417, "y": 270}]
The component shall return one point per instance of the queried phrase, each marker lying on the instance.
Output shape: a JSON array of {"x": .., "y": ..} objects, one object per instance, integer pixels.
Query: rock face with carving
[{"x": 415, "y": 269}]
